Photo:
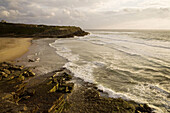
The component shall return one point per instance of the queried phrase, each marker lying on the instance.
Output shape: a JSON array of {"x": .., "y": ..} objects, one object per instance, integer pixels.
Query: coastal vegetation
[{"x": 39, "y": 31}]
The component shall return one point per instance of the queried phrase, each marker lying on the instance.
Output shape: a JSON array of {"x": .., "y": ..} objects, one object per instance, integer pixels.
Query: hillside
[{"x": 39, "y": 31}]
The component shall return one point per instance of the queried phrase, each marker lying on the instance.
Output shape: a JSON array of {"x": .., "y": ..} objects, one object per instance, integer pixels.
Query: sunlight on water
[{"x": 132, "y": 65}]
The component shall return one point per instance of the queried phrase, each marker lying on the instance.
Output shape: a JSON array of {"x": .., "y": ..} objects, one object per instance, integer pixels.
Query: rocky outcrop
[
  {"x": 52, "y": 94},
  {"x": 39, "y": 31},
  {"x": 20, "y": 96}
]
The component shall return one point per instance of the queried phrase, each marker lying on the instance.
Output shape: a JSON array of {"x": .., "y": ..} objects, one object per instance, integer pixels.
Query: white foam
[
  {"x": 82, "y": 71},
  {"x": 112, "y": 93}
]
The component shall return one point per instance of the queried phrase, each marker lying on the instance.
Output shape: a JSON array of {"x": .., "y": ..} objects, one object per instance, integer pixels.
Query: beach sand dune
[{"x": 11, "y": 48}]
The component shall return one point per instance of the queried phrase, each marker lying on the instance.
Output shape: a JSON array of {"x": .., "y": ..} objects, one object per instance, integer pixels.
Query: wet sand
[{"x": 12, "y": 48}]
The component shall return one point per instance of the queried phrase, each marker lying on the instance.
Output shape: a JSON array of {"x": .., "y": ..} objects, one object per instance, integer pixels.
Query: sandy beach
[{"x": 12, "y": 48}]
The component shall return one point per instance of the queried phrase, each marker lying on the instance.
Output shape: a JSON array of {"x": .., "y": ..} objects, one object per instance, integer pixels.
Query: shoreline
[
  {"x": 81, "y": 87},
  {"x": 13, "y": 48}
]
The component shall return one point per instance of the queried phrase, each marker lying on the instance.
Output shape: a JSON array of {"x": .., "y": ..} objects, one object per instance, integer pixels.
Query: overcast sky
[{"x": 109, "y": 14}]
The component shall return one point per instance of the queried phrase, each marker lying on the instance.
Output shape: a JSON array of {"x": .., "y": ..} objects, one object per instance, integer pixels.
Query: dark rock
[
  {"x": 3, "y": 74},
  {"x": 147, "y": 108},
  {"x": 30, "y": 92},
  {"x": 31, "y": 60},
  {"x": 25, "y": 74},
  {"x": 144, "y": 108},
  {"x": 31, "y": 73},
  {"x": 11, "y": 77},
  {"x": 67, "y": 76},
  {"x": 7, "y": 71},
  {"x": 25, "y": 97},
  {"x": 54, "y": 88}
]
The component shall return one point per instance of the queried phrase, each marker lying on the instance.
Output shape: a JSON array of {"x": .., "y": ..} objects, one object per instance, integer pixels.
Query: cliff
[{"x": 39, "y": 31}]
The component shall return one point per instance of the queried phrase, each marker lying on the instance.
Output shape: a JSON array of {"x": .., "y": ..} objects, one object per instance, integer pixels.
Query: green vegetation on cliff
[{"x": 29, "y": 30}]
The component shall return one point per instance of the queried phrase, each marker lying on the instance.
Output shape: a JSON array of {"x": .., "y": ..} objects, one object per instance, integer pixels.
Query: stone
[
  {"x": 50, "y": 82},
  {"x": 148, "y": 109},
  {"x": 54, "y": 89},
  {"x": 70, "y": 86},
  {"x": 35, "y": 109},
  {"x": 25, "y": 97},
  {"x": 67, "y": 90},
  {"x": 61, "y": 89},
  {"x": 31, "y": 60},
  {"x": 11, "y": 77},
  {"x": 3, "y": 74},
  {"x": 55, "y": 80},
  {"x": 7, "y": 71},
  {"x": 31, "y": 73},
  {"x": 67, "y": 76},
  {"x": 25, "y": 108},
  {"x": 7, "y": 96},
  {"x": 20, "y": 86},
  {"x": 21, "y": 78},
  {"x": 26, "y": 74},
  {"x": 0, "y": 78},
  {"x": 30, "y": 92}
]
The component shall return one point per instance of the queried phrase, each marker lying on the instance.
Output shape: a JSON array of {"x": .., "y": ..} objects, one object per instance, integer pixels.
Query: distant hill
[{"x": 39, "y": 31}]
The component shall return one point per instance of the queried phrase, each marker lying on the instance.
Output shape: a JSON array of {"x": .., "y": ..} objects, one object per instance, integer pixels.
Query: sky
[{"x": 89, "y": 14}]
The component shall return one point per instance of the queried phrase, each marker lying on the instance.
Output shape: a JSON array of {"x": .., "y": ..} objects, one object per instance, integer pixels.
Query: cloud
[{"x": 88, "y": 13}]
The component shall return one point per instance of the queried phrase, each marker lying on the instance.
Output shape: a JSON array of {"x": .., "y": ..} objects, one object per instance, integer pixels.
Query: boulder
[
  {"x": 6, "y": 71},
  {"x": 3, "y": 74},
  {"x": 31, "y": 73},
  {"x": 54, "y": 88},
  {"x": 67, "y": 76},
  {"x": 30, "y": 92}
]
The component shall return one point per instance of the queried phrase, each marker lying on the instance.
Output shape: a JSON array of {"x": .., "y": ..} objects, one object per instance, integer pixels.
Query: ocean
[{"x": 131, "y": 64}]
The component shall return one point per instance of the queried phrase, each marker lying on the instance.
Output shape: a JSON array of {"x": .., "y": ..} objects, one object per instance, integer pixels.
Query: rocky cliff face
[{"x": 39, "y": 31}]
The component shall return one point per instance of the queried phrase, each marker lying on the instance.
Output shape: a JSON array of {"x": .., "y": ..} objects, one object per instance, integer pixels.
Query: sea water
[{"x": 134, "y": 65}]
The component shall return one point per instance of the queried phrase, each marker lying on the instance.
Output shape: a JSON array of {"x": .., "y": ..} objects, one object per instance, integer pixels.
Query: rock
[
  {"x": 21, "y": 78},
  {"x": 50, "y": 82},
  {"x": 20, "y": 86},
  {"x": 31, "y": 73},
  {"x": 11, "y": 77},
  {"x": 5, "y": 64},
  {"x": 137, "y": 111},
  {"x": 55, "y": 74},
  {"x": 35, "y": 109},
  {"x": 34, "y": 60},
  {"x": 61, "y": 89},
  {"x": 3, "y": 74},
  {"x": 26, "y": 74},
  {"x": 7, "y": 71},
  {"x": 55, "y": 80},
  {"x": 90, "y": 93},
  {"x": 25, "y": 108},
  {"x": 54, "y": 88},
  {"x": 147, "y": 108},
  {"x": 67, "y": 76},
  {"x": 70, "y": 86},
  {"x": 7, "y": 96},
  {"x": 15, "y": 68},
  {"x": 144, "y": 108},
  {"x": 58, "y": 105},
  {"x": 31, "y": 60},
  {"x": 25, "y": 97},
  {"x": 30, "y": 92}
]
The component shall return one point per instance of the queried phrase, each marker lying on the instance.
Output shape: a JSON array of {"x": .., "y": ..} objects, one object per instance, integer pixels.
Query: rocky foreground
[
  {"x": 55, "y": 94},
  {"x": 39, "y": 31}
]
